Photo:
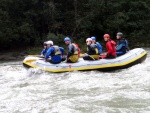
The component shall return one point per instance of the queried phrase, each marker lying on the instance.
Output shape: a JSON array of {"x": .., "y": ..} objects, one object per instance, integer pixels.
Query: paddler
[
  {"x": 44, "y": 50},
  {"x": 97, "y": 43},
  {"x": 73, "y": 52},
  {"x": 92, "y": 51},
  {"x": 110, "y": 46},
  {"x": 122, "y": 44},
  {"x": 54, "y": 53}
]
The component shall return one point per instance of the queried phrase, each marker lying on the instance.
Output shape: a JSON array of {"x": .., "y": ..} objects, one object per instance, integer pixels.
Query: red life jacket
[
  {"x": 79, "y": 50},
  {"x": 111, "y": 47}
]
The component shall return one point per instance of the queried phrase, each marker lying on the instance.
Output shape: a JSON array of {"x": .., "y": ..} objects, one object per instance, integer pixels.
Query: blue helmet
[
  {"x": 67, "y": 39},
  {"x": 93, "y": 38}
]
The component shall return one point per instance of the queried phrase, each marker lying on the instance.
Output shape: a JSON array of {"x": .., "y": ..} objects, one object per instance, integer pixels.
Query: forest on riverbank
[{"x": 28, "y": 23}]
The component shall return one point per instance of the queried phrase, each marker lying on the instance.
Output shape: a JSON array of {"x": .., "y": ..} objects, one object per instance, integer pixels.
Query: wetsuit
[
  {"x": 92, "y": 52},
  {"x": 72, "y": 56},
  {"x": 54, "y": 54},
  {"x": 122, "y": 47}
]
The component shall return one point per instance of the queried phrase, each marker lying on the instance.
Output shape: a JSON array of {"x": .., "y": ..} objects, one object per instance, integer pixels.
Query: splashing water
[{"x": 36, "y": 91}]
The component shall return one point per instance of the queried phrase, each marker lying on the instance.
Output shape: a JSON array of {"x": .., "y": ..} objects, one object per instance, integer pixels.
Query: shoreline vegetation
[
  {"x": 19, "y": 54},
  {"x": 28, "y": 23}
]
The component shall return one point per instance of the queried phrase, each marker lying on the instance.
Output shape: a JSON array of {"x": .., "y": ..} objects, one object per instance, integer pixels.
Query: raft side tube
[{"x": 133, "y": 57}]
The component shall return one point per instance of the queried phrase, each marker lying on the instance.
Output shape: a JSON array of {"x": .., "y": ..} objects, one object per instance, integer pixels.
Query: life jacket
[
  {"x": 125, "y": 46},
  {"x": 79, "y": 50},
  {"x": 74, "y": 49},
  {"x": 99, "y": 47},
  {"x": 56, "y": 51},
  {"x": 92, "y": 49},
  {"x": 73, "y": 54}
]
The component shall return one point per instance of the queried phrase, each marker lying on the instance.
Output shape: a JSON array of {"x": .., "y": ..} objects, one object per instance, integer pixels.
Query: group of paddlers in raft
[{"x": 55, "y": 54}]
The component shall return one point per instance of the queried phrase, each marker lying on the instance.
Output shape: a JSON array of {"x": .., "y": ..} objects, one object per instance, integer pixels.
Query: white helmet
[
  {"x": 49, "y": 42},
  {"x": 88, "y": 39}
]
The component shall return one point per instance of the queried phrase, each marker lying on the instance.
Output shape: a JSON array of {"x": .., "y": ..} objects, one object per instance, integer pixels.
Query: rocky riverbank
[
  {"x": 12, "y": 56},
  {"x": 19, "y": 54}
]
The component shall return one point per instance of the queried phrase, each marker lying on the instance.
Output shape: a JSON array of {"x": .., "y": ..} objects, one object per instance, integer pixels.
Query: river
[{"x": 36, "y": 91}]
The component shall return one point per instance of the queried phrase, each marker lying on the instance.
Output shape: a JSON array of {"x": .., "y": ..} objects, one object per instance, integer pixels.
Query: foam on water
[{"x": 36, "y": 91}]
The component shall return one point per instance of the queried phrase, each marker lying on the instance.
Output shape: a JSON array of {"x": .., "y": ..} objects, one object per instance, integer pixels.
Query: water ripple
[{"x": 36, "y": 91}]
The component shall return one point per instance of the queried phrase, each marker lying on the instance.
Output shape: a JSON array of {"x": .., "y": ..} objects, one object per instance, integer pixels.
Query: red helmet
[{"x": 106, "y": 36}]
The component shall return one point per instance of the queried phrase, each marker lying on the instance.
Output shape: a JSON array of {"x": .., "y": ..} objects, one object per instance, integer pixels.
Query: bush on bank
[{"x": 28, "y": 23}]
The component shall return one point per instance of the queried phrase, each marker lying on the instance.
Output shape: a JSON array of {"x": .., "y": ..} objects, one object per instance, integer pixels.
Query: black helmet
[{"x": 120, "y": 34}]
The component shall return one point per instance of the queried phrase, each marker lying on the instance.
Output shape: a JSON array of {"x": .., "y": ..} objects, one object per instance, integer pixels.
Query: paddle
[
  {"x": 39, "y": 57},
  {"x": 36, "y": 56}
]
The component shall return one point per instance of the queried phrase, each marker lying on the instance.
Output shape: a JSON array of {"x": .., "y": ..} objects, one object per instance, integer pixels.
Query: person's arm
[
  {"x": 49, "y": 52},
  {"x": 120, "y": 53},
  {"x": 43, "y": 51},
  {"x": 119, "y": 47},
  {"x": 99, "y": 47},
  {"x": 120, "y": 44},
  {"x": 70, "y": 47},
  {"x": 89, "y": 50}
]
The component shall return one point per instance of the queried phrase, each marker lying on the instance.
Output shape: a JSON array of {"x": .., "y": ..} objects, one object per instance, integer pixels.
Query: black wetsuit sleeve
[
  {"x": 89, "y": 50},
  {"x": 70, "y": 52}
]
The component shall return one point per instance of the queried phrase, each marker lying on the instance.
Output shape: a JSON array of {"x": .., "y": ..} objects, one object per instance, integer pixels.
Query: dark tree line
[{"x": 26, "y": 23}]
